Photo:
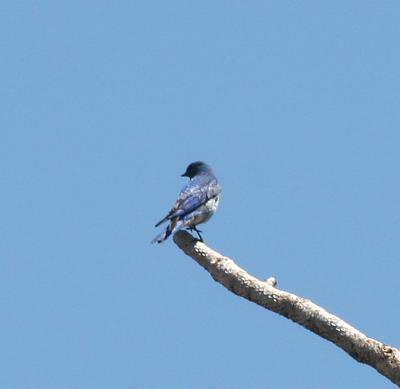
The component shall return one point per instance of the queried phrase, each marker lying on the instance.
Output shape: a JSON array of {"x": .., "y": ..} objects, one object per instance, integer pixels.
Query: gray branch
[{"x": 385, "y": 359}]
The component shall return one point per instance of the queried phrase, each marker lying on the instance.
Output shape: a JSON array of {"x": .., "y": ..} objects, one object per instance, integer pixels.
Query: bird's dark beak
[{"x": 184, "y": 175}]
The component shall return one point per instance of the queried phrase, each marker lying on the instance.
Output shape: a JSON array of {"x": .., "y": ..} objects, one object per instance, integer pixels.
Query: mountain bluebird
[{"x": 196, "y": 203}]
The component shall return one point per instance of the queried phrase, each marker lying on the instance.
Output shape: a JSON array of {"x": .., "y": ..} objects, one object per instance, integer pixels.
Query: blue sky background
[{"x": 103, "y": 105}]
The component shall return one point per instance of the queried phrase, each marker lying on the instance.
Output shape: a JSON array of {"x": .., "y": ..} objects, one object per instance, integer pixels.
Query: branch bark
[{"x": 385, "y": 359}]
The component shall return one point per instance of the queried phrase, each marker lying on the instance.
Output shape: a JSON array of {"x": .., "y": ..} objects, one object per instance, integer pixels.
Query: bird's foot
[{"x": 194, "y": 228}]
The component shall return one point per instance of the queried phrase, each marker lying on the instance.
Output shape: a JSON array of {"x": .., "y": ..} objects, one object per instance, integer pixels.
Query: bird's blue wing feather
[{"x": 198, "y": 191}]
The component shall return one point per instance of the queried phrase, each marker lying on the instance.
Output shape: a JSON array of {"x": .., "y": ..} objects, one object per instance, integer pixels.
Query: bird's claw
[{"x": 198, "y": 233}]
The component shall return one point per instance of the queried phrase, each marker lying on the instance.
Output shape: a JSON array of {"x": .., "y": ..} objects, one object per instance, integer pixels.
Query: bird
[{"x": 196, "y": 202}]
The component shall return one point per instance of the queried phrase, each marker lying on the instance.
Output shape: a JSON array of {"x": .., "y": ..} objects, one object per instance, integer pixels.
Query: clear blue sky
[{"x": 103, "y": 105}]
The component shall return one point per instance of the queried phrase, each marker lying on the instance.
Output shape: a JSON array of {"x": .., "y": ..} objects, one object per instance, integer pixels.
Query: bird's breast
[{"x": 204, "y": 212}]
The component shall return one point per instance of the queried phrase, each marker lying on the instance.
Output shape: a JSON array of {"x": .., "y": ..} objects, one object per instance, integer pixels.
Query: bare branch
[{"x": 385, "y": 359}]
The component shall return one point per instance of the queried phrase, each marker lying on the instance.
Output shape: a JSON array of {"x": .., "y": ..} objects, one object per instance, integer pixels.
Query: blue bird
[{"x": 196, "y": 202}]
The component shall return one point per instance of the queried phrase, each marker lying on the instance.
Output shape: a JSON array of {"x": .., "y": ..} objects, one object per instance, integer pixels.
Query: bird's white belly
[{"x": 203, "y": 213}]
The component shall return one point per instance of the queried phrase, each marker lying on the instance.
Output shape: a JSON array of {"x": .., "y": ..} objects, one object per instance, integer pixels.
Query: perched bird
[{"x": 196, "y": 202}]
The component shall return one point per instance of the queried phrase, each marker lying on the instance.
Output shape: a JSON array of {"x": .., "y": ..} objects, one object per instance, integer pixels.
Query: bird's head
[{"x": 196, "y": 168}]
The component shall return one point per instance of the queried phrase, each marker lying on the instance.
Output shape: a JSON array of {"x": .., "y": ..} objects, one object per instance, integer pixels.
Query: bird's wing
[{"x": 197, "y": 192}]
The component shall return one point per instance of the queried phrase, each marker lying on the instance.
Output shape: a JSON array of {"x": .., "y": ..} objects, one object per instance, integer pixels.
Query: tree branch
[{"x": 385, "y": 359}]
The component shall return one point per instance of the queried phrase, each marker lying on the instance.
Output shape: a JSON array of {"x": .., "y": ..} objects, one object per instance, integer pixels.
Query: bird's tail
[
  {"x": 161, "y": 237},
  {"x": 162, "y": 220},
  {"x": 172, "y": 227}
]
